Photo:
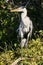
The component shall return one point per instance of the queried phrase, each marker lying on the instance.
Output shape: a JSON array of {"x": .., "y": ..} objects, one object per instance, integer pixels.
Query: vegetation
[{"x": 9, "y": 45}]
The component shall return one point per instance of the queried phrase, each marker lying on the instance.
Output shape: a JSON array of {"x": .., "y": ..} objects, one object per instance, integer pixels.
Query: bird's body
[{"x": 25, "y": 26}]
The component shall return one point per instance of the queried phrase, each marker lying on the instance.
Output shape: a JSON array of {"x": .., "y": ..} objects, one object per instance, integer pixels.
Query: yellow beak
[{"x": 14, "y": 10}]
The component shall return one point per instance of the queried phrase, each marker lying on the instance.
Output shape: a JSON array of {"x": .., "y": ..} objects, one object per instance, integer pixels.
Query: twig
[
  {"x": 19, "y": 59},
  {"x": 41, "y": 42}
]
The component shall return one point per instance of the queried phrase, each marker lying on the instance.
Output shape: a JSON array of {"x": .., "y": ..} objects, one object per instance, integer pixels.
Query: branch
[
  {"x": 41, "y": 42},
  {"x": 20, "y": 59}
]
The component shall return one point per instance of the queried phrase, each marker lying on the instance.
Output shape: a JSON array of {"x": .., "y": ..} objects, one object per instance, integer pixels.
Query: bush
[{"x": 34, "y": 52}]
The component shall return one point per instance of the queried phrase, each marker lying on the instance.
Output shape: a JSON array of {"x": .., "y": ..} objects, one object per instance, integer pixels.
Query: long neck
[{"x": 24, "y": 14}]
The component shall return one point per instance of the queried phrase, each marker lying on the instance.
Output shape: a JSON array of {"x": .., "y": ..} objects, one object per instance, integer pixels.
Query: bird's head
[{"x": 20, "y": 9}]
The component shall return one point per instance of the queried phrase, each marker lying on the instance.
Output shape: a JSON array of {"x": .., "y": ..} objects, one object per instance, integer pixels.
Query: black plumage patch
[{"x": 25, "y": 35}]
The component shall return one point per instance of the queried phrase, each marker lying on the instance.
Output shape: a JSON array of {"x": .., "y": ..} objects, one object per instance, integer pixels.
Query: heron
[{"x": 25, "y": 27}]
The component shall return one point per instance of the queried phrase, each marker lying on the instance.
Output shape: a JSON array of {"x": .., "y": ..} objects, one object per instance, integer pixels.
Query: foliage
[
  {"x": 38, "y": 34},
  {"x": 6, "y": 57},
  {"x": 34, "y": 52},
  {"x": 9, "y": 45}
]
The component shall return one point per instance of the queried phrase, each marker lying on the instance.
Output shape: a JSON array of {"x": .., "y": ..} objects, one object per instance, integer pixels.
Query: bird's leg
[
  {"x": 21, "y": 54},
  {"x": 23, "y": 41},
  {"x": 30, "y": 36},
  {"x": 21, "y": 49},
  {"x": 26, "y": 44}
]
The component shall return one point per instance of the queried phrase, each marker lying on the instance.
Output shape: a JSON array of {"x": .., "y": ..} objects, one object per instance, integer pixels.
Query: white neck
[{"x": 24, "y": 14}]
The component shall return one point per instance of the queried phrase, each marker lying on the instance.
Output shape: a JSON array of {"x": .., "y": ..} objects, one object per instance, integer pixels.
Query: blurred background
[{"x": 9, "y": 22}]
